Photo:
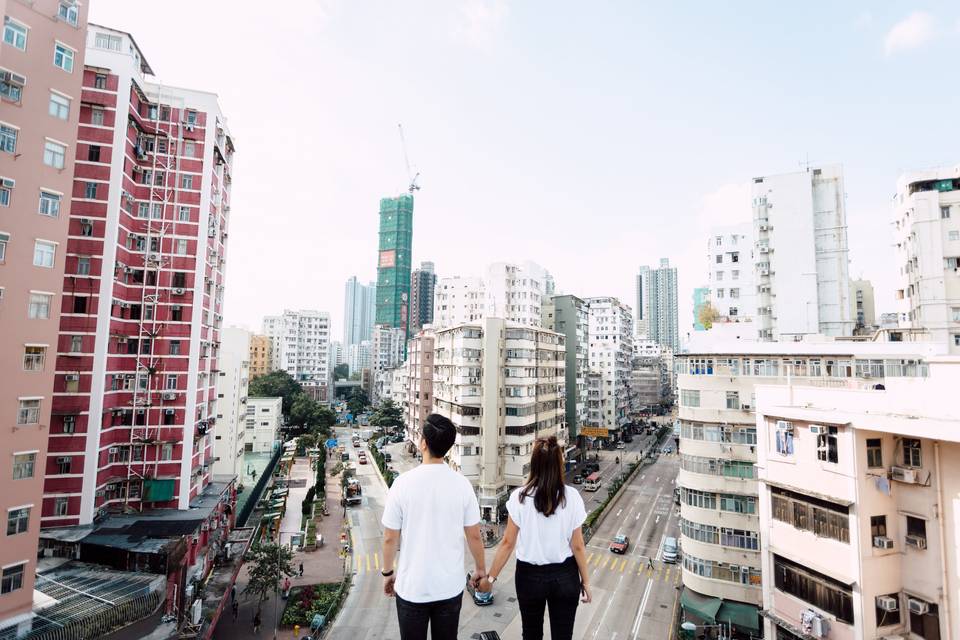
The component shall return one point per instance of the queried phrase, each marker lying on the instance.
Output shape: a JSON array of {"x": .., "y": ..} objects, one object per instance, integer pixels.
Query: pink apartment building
[
  {"x": 419, "y": 365},
  {"x": 860, "y": 508},
  {"x": 134, "y": 398},
  {"x": 41, "y": 66}
]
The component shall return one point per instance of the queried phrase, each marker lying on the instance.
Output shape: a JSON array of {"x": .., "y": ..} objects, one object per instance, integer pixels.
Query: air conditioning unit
[
  {"x": 918, "y": 607},
  {"x": 71, "y": 377},
  {"x": 901, "y": 474},
  {"x": 745, "y": 407},
  {"x": 99, "y": 493},
  {"x": 153, "y": 256},
  {"x": 196, "y": 611},
  {"x": 178, "y": 291},
  {"x": 817, "y": 430},
  {"x": 169, "y": 396},
  {"x": 886, "y": 603},
  {"x": 917, "y": 542},
  {"x": 8, "y": 183},
  {"x": 882, "y": 542},
  {"x": 63, "y": 460},
  {"x": 819, "y": 627},
  {"x": 784, "y": 425}
]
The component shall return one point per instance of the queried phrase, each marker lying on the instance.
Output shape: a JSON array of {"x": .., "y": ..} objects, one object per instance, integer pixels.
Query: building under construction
[{"x": 393, "y": 264}]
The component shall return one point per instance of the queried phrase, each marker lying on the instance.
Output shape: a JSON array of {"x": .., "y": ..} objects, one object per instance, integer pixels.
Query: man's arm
[
  {"x": 390, "y": 539},
  {"x": 475, "y": 544}
]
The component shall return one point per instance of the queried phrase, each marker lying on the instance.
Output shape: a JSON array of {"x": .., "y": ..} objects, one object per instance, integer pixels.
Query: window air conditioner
[
  {"x": 178, "y": 291},
  {"x": 817, "y": 430},
  {"x": 785, "y": 425},
  {"x": 917, "y": 542},
  {"x": 918, "y": 607},
  {"x": 882, "y": 542},
  {"x": 886, "y": 603},
  {"x": 71, "y": 377},
  {"x": 170, "y": 396},
  {"x": 8, "y": 183},
  {"x": 901, "y": 474}
]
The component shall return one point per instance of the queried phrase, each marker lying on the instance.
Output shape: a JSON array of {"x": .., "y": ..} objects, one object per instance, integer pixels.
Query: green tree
[
  {"x": 387, "y": 415},
  {"x": 310, "y": 415},
  {"x": 358, "y": 401},
  {"x": 341, "y": 372},
  {"x": 276, "y": 384},
  {"x": 707, "y": 314},
  {"x": 268, "y": 562}
]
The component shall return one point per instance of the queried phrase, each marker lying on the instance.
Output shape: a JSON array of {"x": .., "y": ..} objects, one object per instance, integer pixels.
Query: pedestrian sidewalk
[{"x": 322, "y": 565}]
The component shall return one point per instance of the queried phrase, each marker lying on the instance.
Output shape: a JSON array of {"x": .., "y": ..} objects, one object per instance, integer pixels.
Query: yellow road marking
[
  {"x": 376, "y": 561},
  {"x": 368, "y": 563},
  {"x": 623, "y": 565},
  {"x": 649, "y": 573},
  {"x": 667, "y": 575},
  {"x": 590, "y": 557},
  {"x": 606, "y": 561}
]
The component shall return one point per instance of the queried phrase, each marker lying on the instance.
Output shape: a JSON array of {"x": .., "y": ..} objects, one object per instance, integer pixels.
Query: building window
[
  {"x": 12, "y": 579},
  {"x": 821, "y": 517},
  {"x": 176, "y": 313},
  {"x": 690, "y": 397},
  {"x": 64, "y": 464},
  {"x": 80, "y": 304},
  {"x": 29, "y": 411},
  {"x": 944, "y": 213},
  {"x": 953, "y": 235},
  {"x": 90, "y": 191},
  {"x": 179, "y": 280},
  {"x": 190, "y": 149},
  {"x": 784, "y": 438},
  {"x": 720, "y": 259},
  {"x": 181, "y": 248},
  {"x": 8, "y": 138},
  {"x": 719, "y": 275},
  {"x": 83, "y": 266},
  {"x": 60, "y": 506},
  {"x": 4, "y": 239},
  {"x": 734, "y": 293},
  {"x": 23, "y": 464},
  {"x": 886, "y": 618},
  {"x": 68, "y": 12},
  {"x": 50, "y": 204},
  {"x": 63, "y": 57},
  {"x": 187, "y": 182},
  {"x": 815, "y": 588},
  {"x": 59, "y": 106},
  {"x": 874, "y": 453},
  {"x": 184, "y": 214},
  {"x": 18, "y": 520},
  {"x": 166, "y": 452},
  {"x": 54, "y": 154},
  {"x": 39, "y": 307},
  {"x": 719, "y": 293},
  {"x": 827, "y": 445},
  {"x": 44, "y": 254},
  {"x": 33, "y": 358},
  {"x": 5, "y": 192},
  {"x": 93, "y": 153},
  {"x": 76, "y": 344},
  {"x": 69, "y": 424},
  {"x": 911, "y": 453},
  {"x": 917, "y": 528},
  {"x": 878, "y": 526},
  {"x": 174, "y": 347},
  {"x": 733, "y": 399},
  {"x": 14, "y": 34},
  {"x": 96, "y": 114},
  {"x": 11, "y": 88},
  {"x": 735, "y": 275},
  {"x": 926, "y": 625},
  {"x": 86, "y": 228},
  {"x": 107, "y": 41}
]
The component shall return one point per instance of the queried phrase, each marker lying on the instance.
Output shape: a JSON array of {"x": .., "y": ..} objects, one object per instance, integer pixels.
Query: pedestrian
[
  {"x": 650, "y": 563},
  {"x": 286, "y": 587},
  {"x": 235, "y": 607},
  {"x": 544, "y": 527},
  {"x": 432, "y": 507},
  {"x": 256, "y": 623},
  {"x": 301, "y": 569},
  {"x": 233, "y": 593}
]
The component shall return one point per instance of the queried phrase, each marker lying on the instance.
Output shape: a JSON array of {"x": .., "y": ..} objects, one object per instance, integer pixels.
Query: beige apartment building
[
  {"x": 860, "y": 508},
  {"x": 41, "y": 68},
  {"x": 419, "y": 383},
  {"x": 261, "y": 355}
]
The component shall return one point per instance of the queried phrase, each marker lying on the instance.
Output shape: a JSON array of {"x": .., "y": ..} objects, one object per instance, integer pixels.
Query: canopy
[
  {"x": 703, "y": 607},
  {"x": 739, "y": 615}
]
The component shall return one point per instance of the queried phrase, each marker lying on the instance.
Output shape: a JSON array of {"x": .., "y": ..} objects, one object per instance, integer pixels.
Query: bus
[{"x": 592, "y": 483}]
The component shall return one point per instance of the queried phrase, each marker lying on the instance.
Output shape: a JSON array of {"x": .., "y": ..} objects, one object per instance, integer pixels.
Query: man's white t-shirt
[
  {"x": 542, "y": 539},
  {"x": 430, "y": 506}
]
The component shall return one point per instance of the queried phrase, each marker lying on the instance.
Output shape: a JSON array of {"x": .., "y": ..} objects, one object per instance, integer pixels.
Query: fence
[{"x": 258, "y": 489}]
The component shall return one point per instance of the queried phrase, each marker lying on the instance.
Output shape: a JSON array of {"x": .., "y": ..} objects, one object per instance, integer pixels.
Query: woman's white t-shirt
[{"x": 542, "y": 539}]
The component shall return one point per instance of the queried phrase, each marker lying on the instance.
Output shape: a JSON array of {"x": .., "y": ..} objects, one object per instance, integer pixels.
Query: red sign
[{"x": 388, "y": 258}]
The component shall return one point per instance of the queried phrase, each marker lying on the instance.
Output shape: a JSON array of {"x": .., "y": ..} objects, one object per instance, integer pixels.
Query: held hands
[
  {"x": 478, "y": 579},
  {"x": 585, "y": 596}
]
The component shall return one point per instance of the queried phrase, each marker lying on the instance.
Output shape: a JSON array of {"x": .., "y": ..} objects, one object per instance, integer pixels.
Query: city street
[{"x": 631, "y": 599}]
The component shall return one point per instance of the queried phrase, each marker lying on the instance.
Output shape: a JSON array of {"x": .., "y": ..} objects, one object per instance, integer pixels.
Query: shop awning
[
  {"x": 740, "y": 615},
  {"x": 703, "y": 607}
]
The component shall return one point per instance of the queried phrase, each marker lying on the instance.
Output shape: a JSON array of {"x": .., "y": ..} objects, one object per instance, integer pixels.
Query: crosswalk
[{"x": 599, "y": 562}]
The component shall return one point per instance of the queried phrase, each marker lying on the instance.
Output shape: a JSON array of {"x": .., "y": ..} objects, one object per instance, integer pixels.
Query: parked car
[
  {"x": 578, "y": 479},
  {"x": 344, "y": 457},
  {"x": 671, "y": 550},
  {"x": 387, "y": 457},
  {"x": 397, "y": 438},
  {"x": 362, "y": 459},
  {"x": 620, "y": 544},
  {"x": 480, "y": 598},
  {"x": 591, "y": 467},
  {"x": 356, "y": 443},
  {"x": 621, "y": 445}
]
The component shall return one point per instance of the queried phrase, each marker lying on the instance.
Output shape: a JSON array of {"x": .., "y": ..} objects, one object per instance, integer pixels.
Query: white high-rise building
[
  {"x": 800, "y": 255},
  {"x": 502, "y": 385},
  {"x": 262, "y": 424},
  {"x": 656, "y": 312},
  {"x": 509, "y": 291},
  {"x": 232, "y": 384},
  {"x": 730, "y": 272},
  {"x": 386, "y": 354},
  {"x": 926, "y": 212},
  {"x": 610, "y": 353},
  {"x": 359, "y": 307},
  {"x": 359, "y": 357},
  {"x": 301, "y": 345}
]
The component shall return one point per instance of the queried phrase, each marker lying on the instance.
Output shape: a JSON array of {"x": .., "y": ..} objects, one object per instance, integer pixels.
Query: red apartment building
[{"x": 134, "y": 398}]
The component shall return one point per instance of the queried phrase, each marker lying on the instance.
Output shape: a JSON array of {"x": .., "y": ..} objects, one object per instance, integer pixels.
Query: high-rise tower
[{"x": 393, "y": 262}]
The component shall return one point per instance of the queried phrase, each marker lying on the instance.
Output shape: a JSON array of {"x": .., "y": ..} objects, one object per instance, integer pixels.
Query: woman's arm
[
  {"x": 579, "y": 548},
  {"x": 506, "y": 547}
]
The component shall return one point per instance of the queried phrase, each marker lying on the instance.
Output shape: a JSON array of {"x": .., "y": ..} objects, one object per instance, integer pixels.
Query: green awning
[
  {"x": 703, "y": 607},
  {"x": 740, "y": 615},
  {"x": 157, "y": 490}
]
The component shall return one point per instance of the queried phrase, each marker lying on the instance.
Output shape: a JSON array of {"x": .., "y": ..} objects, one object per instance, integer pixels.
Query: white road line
[
  {"x": 657, "y": 521},
  {"x": 635, "y": 630},
  {"x": 638, "y": 515},
  {"x": 619, "y": 511}
]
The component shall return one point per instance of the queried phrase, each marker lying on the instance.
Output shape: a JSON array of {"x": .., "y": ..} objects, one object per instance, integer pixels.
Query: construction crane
[{"x": 410, "y": 175}]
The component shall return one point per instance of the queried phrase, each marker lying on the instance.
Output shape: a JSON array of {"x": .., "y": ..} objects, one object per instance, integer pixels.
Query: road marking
[
  {"x": 623, "y": 564},
  {"x": 589, "y": 557},
  {"x": 658, "y": 479},
  {"x": 606, "y": 561},
  {"x": 368, "y": 563},
  {"x": 635, "y": 630},
  {"x": 666, "y": 576},
  {"x": 376, "y": 561},
  {"x": 638, "y": 515},
  {"x": 619, "y": 511},
  {"x": 657, "y": 521},
  {"x": 642, "y": 476}
]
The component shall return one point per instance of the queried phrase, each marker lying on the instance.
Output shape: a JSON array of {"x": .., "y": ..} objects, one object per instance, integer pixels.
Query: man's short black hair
[{"x": 439, "y": 434}]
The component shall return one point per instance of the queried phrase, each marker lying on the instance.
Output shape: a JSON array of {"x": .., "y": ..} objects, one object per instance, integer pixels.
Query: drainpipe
[{"x": 943, "y": 552}]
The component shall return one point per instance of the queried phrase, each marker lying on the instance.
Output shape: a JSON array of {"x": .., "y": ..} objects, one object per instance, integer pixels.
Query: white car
[{"x": 621, "y": 445}]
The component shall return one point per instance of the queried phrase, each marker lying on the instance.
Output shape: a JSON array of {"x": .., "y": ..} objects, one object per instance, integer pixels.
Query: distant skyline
[{"x": 589, "y": 140}]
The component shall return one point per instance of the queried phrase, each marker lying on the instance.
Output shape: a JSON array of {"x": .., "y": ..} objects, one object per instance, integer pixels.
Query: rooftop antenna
[{"x": 410, "y": 175}]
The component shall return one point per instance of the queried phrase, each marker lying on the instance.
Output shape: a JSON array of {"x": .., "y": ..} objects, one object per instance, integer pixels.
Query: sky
[{"x": 591, "y": 138}]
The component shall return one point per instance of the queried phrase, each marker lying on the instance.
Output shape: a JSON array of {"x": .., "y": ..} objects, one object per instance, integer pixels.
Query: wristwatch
[
  {"x": 491, "y": 579},
  {"x": 387, "y": 574}
]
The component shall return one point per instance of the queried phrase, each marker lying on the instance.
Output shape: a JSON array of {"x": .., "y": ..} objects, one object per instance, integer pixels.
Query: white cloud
[
  {"x": 480, "y": 22},
  {"x": 914, "y": 31}
]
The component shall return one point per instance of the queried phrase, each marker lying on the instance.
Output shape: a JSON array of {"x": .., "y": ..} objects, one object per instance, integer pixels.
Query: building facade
[
  {"x": 393, "y": 262},
  {"x": 458, "y": 300},
  {"x": 40, "y": 104},
  {"x": 858, "y": 506},
  {"x": 862, "y": 307},
  {"x": 730, "y": 272},
  {"x": 232, "y": 388},
  {"x": 926, "y": 212},
  {"x": 515, "y": 292},
  {"x": 656, "y": 310},
  {"x": 800, "y": 255},
  {"x": 261, "y": 355},
  {"x": 570, "y": 316},
  {"x": 610, "y": 350},
  {"x": 423, "y": 282},
  {"x": 719, "y": 514},
  {"x": 502, "y": 385},
  {"x": 262, "y": 424},
  {"x": 386, "y": 353},
  {"x": 701, "y": 298},
  {"x": 359, "y": 357},
  {"x": 135, "y": 404},
  {"x": 359, "y": 304},
  {"x": 301, "y": 345},
  {"x": 418, "y": 402}
]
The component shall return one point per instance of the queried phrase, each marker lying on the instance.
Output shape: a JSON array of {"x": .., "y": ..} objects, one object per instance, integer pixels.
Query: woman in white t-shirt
[{"x": 543, "y": 526}]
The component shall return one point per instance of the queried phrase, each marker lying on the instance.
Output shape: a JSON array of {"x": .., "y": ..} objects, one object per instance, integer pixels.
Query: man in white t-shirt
[{"x": 433, "y": 507}]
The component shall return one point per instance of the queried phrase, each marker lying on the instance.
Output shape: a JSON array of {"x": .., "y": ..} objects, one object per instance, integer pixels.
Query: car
[
  {"x": 387, "y": 457},
  {"x": 397, "y": 439},
  {"x": 671, "y": 550},
  {"x": 480, "y": 598},
  {"x": 363, "y": 459},
  {"x": 356, "y": 444},
  {"x": 578, "y": 479},
  {"x": 344, "y": 457},
  {"x": 591, "y": 467},
  {"x": 620, "y": 544},
  {"x": 621, "y": 445}
]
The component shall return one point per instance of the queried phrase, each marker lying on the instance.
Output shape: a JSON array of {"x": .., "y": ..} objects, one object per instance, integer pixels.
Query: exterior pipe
[{"x": 943, "y": 548}]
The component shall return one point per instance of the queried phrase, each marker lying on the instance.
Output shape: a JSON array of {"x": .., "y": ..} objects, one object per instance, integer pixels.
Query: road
[{"x": 621, "y": 583}]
